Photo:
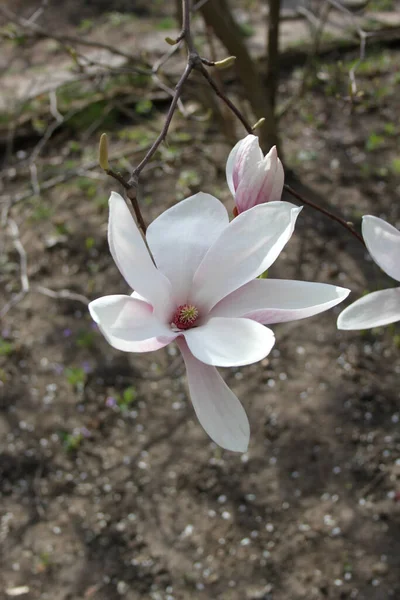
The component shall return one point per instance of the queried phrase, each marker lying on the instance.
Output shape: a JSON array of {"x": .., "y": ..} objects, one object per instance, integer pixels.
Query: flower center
[{"x": 185, "y": 316}]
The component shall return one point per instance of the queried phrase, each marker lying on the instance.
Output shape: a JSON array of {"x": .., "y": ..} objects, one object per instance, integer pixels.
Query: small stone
[
  {"x": 122, "y": 588},
  {"x": 380, "y": 568}
]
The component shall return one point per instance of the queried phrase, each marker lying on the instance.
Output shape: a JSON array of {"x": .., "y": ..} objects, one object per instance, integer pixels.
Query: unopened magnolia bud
[
  {"x": 103, "y": 152},
  {"x": 170, "y": 41},
  {"x": 225, "y": 63},
  {"x": 253, "y": 178},
  {"x": 259, "y": 123}
]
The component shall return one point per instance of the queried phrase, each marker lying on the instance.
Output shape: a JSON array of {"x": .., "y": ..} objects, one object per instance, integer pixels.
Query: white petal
[
  {"x": 180, "y": 237},
  {"x": 383, "y": 243},
  {"x": 133, "y": 259},
  {"x": 262, "y": 182},
  {"x": 278, "y": 181},
  {"x": 216, "y": 406},
  {"x": 230, "y": 342},
  {"x": 250, "y": 187},
  {"x": 374, "y": 310},
  {"x": 149, "y": 345},
  {"x": 279, "y": 300},
  {"x": 127, "y": 319},
  {"x": 245, "y": 249},
  {"x": 245, "y": 153}
]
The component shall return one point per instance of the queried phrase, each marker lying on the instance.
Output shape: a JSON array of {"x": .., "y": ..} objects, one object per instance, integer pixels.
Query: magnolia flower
[
  {"x": 253, "y": 178},
  {"x": 201, "y": 291},
  {"x": 382, "y": 307}
]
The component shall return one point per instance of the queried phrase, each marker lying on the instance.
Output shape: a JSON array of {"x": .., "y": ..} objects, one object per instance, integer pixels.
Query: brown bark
[
  {"x": 217, "y": 14},
  {"x": 273, "y": 52}
]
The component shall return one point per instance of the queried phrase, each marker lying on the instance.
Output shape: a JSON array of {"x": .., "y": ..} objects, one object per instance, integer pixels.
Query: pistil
[{"x": 185, "y": 316}]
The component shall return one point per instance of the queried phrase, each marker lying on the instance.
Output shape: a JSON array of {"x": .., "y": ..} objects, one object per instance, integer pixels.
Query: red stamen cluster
[{"x": 185, "y": 316}]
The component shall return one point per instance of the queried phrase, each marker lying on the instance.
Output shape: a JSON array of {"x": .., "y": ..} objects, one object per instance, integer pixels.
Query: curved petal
[
  {"x": 149, "y": 345},
  {"x": 180, "y": 237},
  {"x": 217, "y": 408},
  {"x": 383, "y": 243},
  {"x": 278, "y": 181},
  {"x": 127, "y": 319},
  {"x": 133, "y": 259},
  {"x": 245, "y": 153},
  {"x": 230, "y": 342},
  {"x": 279, "y": 300},
  {"x": 244, "y": 250},
  {"x": 374, "y": 310},
  {"x": 262, "y": 182}
]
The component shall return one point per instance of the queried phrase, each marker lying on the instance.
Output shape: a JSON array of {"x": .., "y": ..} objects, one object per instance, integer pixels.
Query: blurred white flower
[{"x": 382, "y": 307}]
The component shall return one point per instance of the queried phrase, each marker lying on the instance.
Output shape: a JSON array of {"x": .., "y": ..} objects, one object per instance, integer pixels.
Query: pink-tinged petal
[
  {"x": 149, "y": 345},
  {"x": 279, "y": 300},
  {"x": 217, "y": 408},
  {"x": 262, "y": 182},
  {"x": 244, "y": 154},
  {"x": 133, "y": 259},
  {"x": 180, "y": 237},
  {"x": 127, "y": 319},
  {"x": 244, "y": 250},
  {"x": 374, "y": 310},
  {"x": 230, "y": 342},
  {"x": 275, "y": 193},
  {"x": 383, "y": 243}
]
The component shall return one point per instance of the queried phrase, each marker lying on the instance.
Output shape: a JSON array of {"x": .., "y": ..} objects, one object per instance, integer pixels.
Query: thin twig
[
  {"x": 325, "y": 212},
  {"x": 23, "y": 266},
  {"x": 64, "y": 39},
  {"x": 225, "y": 99},
  {"x": 26, "y": 286},
  {"x": 61, "y": 294}
]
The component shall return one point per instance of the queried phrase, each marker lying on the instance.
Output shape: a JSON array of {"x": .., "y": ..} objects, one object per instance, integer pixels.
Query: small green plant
[
  {"x": 76, "y": 377},
  {"x": 395, "y": 165},
  {"x": 101, "y": 202},
  {"x": 61, "y": 228},
  {"x": 144, "y": 107},
  {"x": 43, "y": 562},
  {"x": 246, "y": 29},
  {"x": 85, "y": 25},
  {"x": 166, "y": 23},
  {"x": 182, "y": 136},
  {"x": 374, "y": 142},
  {"x": 118, "y": 18},
  {"x": 86, "y": 186},
  {"x": 40, "y": 212},
  {"x": 389, "y": 128},
  {"x": 85, "y": 339},
  {"x": 6, "y": 348},
  {"x": 74, "y": 146},
  {"x": 378, "y": 5},
  {"x": 127, "y": 398},
  {"x": 89, "y": 243},
  {"x": 71, "y": 441},
  {"x": 188, "y": 180}
]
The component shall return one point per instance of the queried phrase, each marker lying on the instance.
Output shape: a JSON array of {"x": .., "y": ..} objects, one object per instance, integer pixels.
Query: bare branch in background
[
  {"x": 26, "y": 286},
  {"x": 218, "y": 16},
  {"x": 40, "y": 32},
  {"x": 23, "y": 266}
]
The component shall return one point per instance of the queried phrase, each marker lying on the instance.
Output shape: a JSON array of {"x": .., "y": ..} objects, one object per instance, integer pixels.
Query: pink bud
[{"x": 252, "y": 178}]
